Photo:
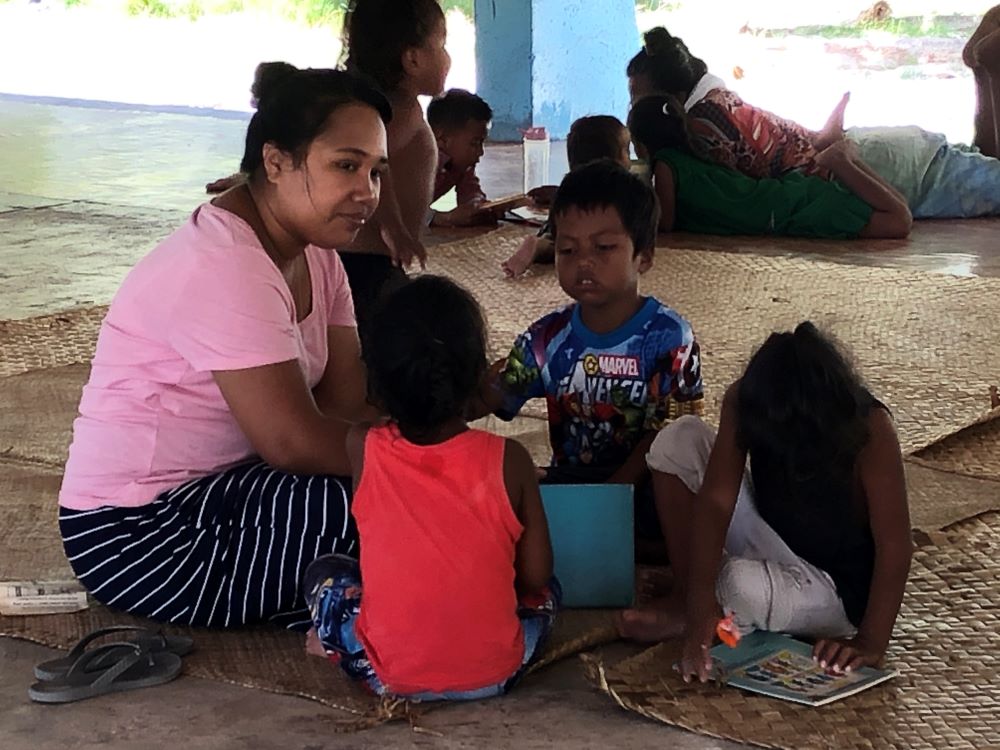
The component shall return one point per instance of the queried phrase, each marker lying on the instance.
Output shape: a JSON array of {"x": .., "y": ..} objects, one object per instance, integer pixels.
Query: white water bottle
[{"x": 536, "y": 158}]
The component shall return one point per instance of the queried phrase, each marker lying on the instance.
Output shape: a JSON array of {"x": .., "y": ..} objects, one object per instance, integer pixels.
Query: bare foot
[
  {"x": 519, "y": 262},
  {"x": 314, "y": 647},
  {"x": 833, "y": 130},
  {"x": 652, "y": 624}
]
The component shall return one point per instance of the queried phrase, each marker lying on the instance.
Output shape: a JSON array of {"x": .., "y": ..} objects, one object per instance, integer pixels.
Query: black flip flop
[
  {"x": 149, "y": 640},
  {"x": 129, "y": 666}
]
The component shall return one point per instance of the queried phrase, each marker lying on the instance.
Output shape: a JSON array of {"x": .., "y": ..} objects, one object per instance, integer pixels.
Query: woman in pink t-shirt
[{"x": 206, "y": 466}]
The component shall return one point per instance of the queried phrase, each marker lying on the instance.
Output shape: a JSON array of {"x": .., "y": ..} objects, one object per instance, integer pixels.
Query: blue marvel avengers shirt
[{"x": 604, "y": 391}]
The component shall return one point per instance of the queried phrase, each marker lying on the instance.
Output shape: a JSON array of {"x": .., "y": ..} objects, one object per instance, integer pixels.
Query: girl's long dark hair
[{"x": 802, "y": 407}]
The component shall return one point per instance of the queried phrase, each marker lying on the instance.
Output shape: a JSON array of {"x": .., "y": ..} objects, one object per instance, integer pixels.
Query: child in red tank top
[{"x": 454, "y": 595}]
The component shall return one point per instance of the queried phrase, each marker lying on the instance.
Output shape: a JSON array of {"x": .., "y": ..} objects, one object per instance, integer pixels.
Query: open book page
[{"x": 782, "y": 667}]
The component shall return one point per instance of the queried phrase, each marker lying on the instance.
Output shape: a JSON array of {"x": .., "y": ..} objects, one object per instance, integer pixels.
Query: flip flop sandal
[
  {"x": 149, "y": 640},
  {"x": 128, "y": 667}
]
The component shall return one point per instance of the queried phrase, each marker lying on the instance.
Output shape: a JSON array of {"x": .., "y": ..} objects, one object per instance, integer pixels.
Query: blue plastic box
[{"x": 593, "y": 542}]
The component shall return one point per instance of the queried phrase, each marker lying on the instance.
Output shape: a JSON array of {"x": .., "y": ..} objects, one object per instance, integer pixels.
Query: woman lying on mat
[
  {"x": 699, "y": 196},
  {"x": 814, "y": 541},
  {"x": 939, "y": 180},
  {"x": 208, "y": 465}
]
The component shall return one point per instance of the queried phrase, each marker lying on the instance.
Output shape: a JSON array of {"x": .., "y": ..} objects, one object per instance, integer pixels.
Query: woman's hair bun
[
  {"x": 268, "y": 78},
  {"x": 658, "y": 41}
]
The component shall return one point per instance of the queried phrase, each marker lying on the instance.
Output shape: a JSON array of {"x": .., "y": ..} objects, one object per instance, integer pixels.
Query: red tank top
[{"x": 438, "y": 536}]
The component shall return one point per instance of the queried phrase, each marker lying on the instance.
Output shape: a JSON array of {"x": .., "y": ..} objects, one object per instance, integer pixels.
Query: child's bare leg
[
  {"x": 531, "y": 250},
  {"x": 982, "y": 54},
  {"x": 833, "y": 130},
  {"x": 665, "y": 618}
]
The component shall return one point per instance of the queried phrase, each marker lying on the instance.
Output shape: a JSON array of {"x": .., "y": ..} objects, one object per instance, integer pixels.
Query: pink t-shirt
[{"x": 206, "y": 298}]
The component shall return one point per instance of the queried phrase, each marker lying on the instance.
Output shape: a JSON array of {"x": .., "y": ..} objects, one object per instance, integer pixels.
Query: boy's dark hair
[
  {"x": 595, "y": 137},
  {"x": 667, "y": 62},
  {"x": 606, "y": 183},
  {"x": 376, "y": 33},
  {"x": 659, "y": 121},
  {"x": 455, "y": 109},
  {"x": 294, "y": 105},
  {"x": 802, "y": 410},
  {"x": 425, "y": 350}
]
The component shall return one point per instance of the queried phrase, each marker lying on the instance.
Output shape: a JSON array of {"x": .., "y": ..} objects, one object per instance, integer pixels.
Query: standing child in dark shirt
[{"x": 813, "y": 541}]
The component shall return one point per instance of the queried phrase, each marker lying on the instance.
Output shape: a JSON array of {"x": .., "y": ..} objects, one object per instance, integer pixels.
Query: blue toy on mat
[{"x": 592, "y": 530}]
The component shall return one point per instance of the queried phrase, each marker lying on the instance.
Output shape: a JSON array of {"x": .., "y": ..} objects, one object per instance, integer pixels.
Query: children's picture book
[
  {"x": 781, "y": 667},
  {"x": 531, "y": 215}
]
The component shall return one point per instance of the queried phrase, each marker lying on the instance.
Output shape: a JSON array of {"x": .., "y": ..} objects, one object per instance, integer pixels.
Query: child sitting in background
[
  {"x": 400, "y": 45},
  {"x": 813, "y": 540},
  {"x": 461, "y": 122},
  {"x": 614, "y": 366},
  {"x": 590, "y": 138},
  {"x": 699, "y": 196},
  {"x": 454, "y": 597}
]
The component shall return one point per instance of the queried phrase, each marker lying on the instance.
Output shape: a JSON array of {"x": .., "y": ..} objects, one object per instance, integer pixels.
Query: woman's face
[{"x": 330, "y": 195}]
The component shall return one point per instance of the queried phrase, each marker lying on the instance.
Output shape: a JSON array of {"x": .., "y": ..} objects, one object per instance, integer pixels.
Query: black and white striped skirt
[{"x": 220, "y": 551}]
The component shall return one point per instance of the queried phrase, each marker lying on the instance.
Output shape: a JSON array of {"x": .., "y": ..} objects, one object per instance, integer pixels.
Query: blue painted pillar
[{"x": 548, "y": 62}]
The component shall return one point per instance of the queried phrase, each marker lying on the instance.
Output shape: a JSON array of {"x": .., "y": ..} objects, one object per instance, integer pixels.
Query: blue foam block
[{"x": 592, "y": 530}]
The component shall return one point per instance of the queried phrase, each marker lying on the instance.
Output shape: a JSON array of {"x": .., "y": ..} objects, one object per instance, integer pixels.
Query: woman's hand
[
  {"x": 840, "y": 655},
  {"x": 223, "y": 184},
  {"x": 699, "y": 635}
]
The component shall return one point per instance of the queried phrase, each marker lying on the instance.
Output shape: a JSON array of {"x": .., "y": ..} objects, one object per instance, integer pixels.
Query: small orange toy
[{"x": 727, "y": 631}]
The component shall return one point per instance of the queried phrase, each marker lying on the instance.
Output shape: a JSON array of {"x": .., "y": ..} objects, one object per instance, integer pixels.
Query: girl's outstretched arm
[
  {"x": 884, "y": 484},
  {"x": 663, "y": 182},
  {"x": 713, "y": 510},
  {"x": 892, "y": 218},
  {"x": 533, "y": 558}
]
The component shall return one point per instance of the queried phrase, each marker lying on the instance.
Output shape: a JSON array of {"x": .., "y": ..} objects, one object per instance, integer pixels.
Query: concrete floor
[{"x": 83, "y": 197}]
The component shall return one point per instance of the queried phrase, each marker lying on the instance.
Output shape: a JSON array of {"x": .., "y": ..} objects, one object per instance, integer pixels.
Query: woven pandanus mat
[
  {"x": 922, "y": 341},
  {"x": 974, "y": 450},
  {"x": 37, "y": 409},
  {"x": 274, "y": 660},
  {"x": 945, "y": 646},
  {"x": 265, "y": 658},
  {"x": 63, "y": 338},
  {"x": 925, "y": 343}
]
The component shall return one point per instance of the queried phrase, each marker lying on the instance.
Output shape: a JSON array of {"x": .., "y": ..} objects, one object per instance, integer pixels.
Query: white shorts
[{"x": 762, "y": 582}]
